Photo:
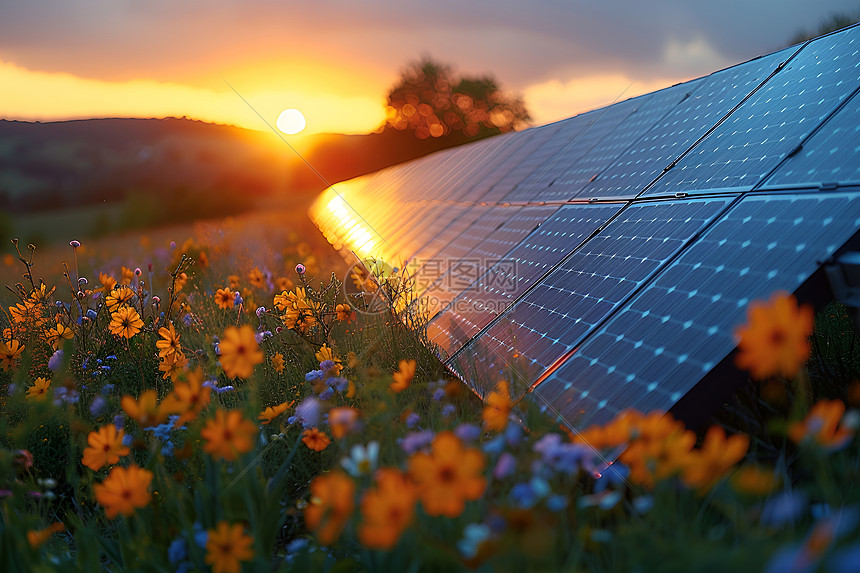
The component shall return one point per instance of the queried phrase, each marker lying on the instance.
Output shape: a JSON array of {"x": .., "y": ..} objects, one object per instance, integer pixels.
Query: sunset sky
[{"x": 335, "y": 59}]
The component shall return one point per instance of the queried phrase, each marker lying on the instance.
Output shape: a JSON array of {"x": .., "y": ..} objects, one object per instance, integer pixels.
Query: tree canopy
[{"x": 431, "y": 101}]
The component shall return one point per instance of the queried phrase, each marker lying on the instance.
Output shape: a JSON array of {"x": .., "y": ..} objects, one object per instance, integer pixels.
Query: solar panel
[
  {"x": 661, "y": 343},
  {"x": 683, "y": 126},
  {"x": 831, "y": 155},
  {"x": 519, "y": 268},
  {"x": 561, "y": 309},
  {"x": 767, "y": 127},
  {"x": 446, "y": 276}
]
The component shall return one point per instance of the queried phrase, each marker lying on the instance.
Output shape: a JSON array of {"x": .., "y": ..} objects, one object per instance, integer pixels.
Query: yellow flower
[
  {"x": 278, "y": 362},
  {"x": 169, "y": 344},
  {"x": 107, "y": 282},
  {"x": 226, "y": 546},
  {"x": 272, "y": 412},
  {"x": 239, "y": 352},
  {"x": 124, "y": 491},
  {"x": 708, "y": 464},
  {"x": 39, "y": 389},
  {"x": 224, "y": 298},
  {"x": 125, "y": 322},
  {"x": 325, "y": 353},
  {"x": 41, "y": 294},
  {"x": 315, "y": 439},
  {"x": 228, "y": 435},
  {"x": 118, "y": 296},
  {"x": 776, "y": 338},
  {"x": 449, "y": 476},
  {"x": 172, "y": 365},
  {"x": 126, "y": 276},
  {"x": 498, "y": 408},
  {"x": 56, "y": 335},
  {"x": 332, "y": 503},
  {"x": 39, "y": 537},
  {"x": 145, "y": 411},
  {"x": 387, "y": 510},
  {"x": 9, "y": 353},
  {"x": 256, "y": 278},
  {"x": 403, "y": 377},
  {"x": 104, "y": 447}
]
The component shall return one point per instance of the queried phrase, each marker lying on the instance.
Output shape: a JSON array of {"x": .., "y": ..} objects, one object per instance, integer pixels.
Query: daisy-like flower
[
  {"x": 387, "y": 510},
  {"x": 104, "y": 447},
  {"x": 228, "y": 435},
  {"x": 315, "y": 439},
  {"x": 10, "y": 351},
  {"x": 57, "y": 335},
  {"x": 331, "y": 505},
  {"x": 705, "y": 466},
  {"x": 498, "y": 408},
  {"x": 39, "y": 389},
  {"x": 126, "y": 276},
  {"x": 146, "y": 411},
  {"x": 403, "y": 377},
  {"x": 172, "y": 365},
  {"x": 278, "y": 362},
  {"x": 37, "y": 538},
  {"x": 188, "y": 398},
  {"x": 362, "y": 460},
  {"x": 256, "y": 278},
  {"x": 124, "y": 491},
  {"x": 41, "y": 294},
  {"x": 225, "y": 298},
  {"x": 449, "y": 476},
  {"x": 272, "y": 412},
  {"x": 119, "y": 296},
  {"x": 125, "y": 322},
  {"x": 283, "y": 284},
  {"x": 822, "y": 426},
  {"x": 227, "y": 546},
  {"x": 239, "y": 352},
  {"x": 169, "y": 345},
  {"x": 233, "y": 281},
  {"x": 107, "y": 282},
  {"x": 775, "y": 340}
]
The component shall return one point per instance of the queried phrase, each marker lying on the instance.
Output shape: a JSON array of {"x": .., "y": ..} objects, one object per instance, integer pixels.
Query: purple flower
[
  {"x": 415, "y": 441},
  {"x": 505, "y": 466},
  {"x": 448, "y": 410},
  {"x": 97, "y": 405},
  {"x": 55, "y": 360},
  {"x": 412, "y": 420},
  {"x": 784, "y": 508},
  {"x": 438, "y": 394},
  {"x": 326, "y": 365},
  {"x": 308, "y": 412},
  {"x": 467, "y": 432}
]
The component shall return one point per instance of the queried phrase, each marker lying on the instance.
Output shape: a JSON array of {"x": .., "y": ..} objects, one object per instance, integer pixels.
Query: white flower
[{"x": 362, "y": 460}]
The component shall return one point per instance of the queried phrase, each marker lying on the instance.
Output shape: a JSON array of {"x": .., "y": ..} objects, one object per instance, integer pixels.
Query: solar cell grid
[
  {"x": 683, "y": 126},
  {"x": 561, "y": 309},
  {"x": 661, "y": 343},
  {"x": 769, "y": 125},
  {"x": 518, "y": 269}
]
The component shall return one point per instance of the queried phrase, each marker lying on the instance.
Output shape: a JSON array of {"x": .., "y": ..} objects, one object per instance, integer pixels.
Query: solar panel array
[{"x": 603, "y": 262}]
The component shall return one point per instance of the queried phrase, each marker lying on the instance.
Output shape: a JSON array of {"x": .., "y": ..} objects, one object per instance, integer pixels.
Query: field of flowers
[{"x": 188, "y": 409}]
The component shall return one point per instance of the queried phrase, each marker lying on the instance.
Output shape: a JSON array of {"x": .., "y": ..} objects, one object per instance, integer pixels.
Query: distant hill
[{"x": 174, "y": 169}]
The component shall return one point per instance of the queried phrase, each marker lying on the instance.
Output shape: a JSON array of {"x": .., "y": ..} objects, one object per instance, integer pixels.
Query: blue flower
[
  {"x": 412, "y": 420},
  {"x": 314, "y": 375},
  {"x": 415, "y": 441},
  {"x": 467, "y": 432},
  {"x": 177, "y": 551}
]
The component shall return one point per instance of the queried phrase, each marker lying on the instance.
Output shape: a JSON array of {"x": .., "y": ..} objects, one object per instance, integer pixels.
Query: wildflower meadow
[{"x": 181, "y": 408}]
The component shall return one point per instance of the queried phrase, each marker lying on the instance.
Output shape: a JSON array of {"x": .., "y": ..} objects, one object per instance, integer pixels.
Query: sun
[{"x": 291, "y": 121}]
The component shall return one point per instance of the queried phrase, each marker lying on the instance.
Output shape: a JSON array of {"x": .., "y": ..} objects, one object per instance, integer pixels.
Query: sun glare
[{"x": 291, "y": 121}]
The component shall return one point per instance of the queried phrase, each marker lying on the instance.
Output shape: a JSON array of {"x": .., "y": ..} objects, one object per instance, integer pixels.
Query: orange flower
[
  {"x": 169, "y": 345},
  {"x": 239, "y": 352},
  {"x": 145, "y": 411},
  {"x": 342, "y": 421},
  {"x": 56, "y": 335},
  {"x": 105, "y": 447},
  {"x": 821, "y": 426},
  {"x": 118, "y": 296},
  {"x": 283, "y": 284},
  {"x": 659, "y": 448},
  {"x": 344, "y": 313},
  {"x": 752, "y": 480},
  {"x": 403, "y": 377},
  {"x": 226, "y": 546},
  {"x": 9, "y": 353},
  {"x": 125, "y": 322},
  {"x": 709, "y": 463},
  {"x": 39, "y": 537},
  {"x": 224, "y": 298},
  {"x": 272, "y": 412},
  {"x": 449, "y": 476},
  {"x": 278, "y": 362},
  {"x": 256, "y": 278},
  {"x": 498, "y": 408},
  {"x": 776, "y": 338},
  {"x": 228, "y": 435},
  {"x": 188, "y": 398},
  {"x": 315, "y": 440},
  {"x": 172, "y": 365},
  {"x": 387, "y": 510},
  {"x": 234, "y": 281},
  {"x": 124, "y": 490},
  {"x": 107, "y": 282},
  {"x": 614, "y": 434},
  {"x": 331, "y": 504},
  {"x": 126, "y": 276},
  {"x": 39, "y": 389}
]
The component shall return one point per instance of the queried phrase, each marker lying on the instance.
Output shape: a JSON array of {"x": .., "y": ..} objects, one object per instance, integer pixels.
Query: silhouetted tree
[
  {"x": 831, "y": 24},
  {"x": 430, "y": 101}
]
